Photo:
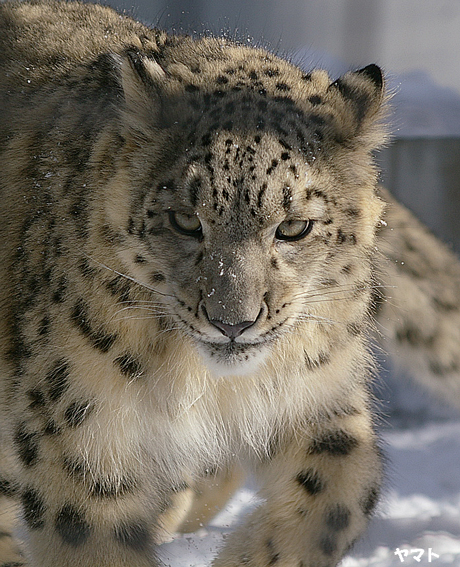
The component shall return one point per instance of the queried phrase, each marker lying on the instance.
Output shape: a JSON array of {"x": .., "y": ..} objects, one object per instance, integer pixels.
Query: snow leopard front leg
[{"x": 319, "y": 491}]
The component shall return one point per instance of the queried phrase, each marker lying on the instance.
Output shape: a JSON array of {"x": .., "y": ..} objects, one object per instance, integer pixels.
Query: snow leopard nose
[{"x": 231, "y": 331}]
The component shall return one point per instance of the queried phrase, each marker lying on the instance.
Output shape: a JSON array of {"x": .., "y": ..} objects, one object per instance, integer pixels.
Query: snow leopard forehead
[{"x": 238, "y": 130}]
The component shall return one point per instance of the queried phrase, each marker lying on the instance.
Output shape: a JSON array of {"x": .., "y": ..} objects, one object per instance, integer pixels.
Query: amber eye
[
  {"x": 292, "y": 230},
  {"x": 189, "y": 225}
]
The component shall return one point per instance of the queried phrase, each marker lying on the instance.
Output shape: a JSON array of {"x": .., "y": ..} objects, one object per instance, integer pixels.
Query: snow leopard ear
[
  {"x": 142, "y": 83},
  {"x": 359, "y": 98}
]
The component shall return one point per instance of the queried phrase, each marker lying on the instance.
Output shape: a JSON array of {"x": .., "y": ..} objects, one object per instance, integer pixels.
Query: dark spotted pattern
[
  {"x": 59, "y": 292},
  {"x": 314, "y": 363},
  {"x": 310, "y": 481},
  {"x": 134, "y": 535},
  {"x": 58, "y": 380},
  {"x": 7, "y": 487},
  {"x": 97, "y": 486},
  {"x": 119, "y": 286},
  {"x": 414, "y": 337},
  {"x": 338, "y": 518},
  {"x": 78, "y": 412},
  {"x": 33, "y": 508},
  {"x": 27, "y": 445},
  {"x": 72, "y": 526},
  {"x": 86, "y": 269},
  {"x": 273, "y": 556},
  {"x": 37, "y": 399},
  {"x": 129, "y": 365},
  {"x": 328, "y": 544},
  {"x": 335, "y": 443},
  {"x": 99, "y": 339},
  {"x": 370, "y": 501}
]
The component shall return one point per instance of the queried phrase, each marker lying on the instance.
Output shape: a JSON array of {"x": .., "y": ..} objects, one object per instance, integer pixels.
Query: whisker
[
  {"x": 318, "y": 319},
  {"x": 144, "y": 285},
  {"x": 143, "y": 308}
]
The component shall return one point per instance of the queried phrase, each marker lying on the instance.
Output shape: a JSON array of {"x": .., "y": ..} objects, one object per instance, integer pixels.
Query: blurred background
[{"x": 417, "y": 42}]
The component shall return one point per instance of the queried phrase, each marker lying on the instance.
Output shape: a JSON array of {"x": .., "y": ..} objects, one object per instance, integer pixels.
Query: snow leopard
[{"x": 195, "y": 259}]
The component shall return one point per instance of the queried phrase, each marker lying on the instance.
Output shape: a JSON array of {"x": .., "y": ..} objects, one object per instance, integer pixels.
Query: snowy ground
[{"x": 418, "y": 522}]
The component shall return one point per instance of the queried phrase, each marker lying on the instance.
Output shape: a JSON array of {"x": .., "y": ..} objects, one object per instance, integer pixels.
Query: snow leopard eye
[
  {"x": 292, "y": 230},
  {"x": 189, "y": 225}
]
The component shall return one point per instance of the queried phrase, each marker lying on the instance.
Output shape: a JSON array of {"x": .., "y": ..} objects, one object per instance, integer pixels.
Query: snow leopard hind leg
[{"x": 417, "y": 306}]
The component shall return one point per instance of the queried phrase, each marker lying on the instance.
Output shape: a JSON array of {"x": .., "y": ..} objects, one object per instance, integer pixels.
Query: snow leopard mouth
[{"x": 231, "y": 358}]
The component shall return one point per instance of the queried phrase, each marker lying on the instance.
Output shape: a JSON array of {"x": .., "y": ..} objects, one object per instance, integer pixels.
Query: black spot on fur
[
  {"x": 261, "y": 194},
  {"x": 19, "y": 349},
  {"x": 7, "y": 487},
  {"x": 341, "y": 237},
  {"x": 314, "y": 363},
  {"x": 411, "y": 336},
  {"x": 273, "y": 555},
  {"x": 97, "y": 487},
  {"x": 37, "y": 399},
  {"x": 78, "y": 412},
  {"x": 283, "y": 87},
  {"x": 51, "y": 428},
  {"x": 86, "y": 269},
  {"x": 287, "y": 197},
  {"x": 44, "y": 327},
  {"x": 327, "y": 545},
  {"x": 444, "y": 305},
  {"x": 135, "y": 535},
  {"x": 27, "y": 445},
  {"x": 315, "y": 100},
  {"x": 157, "y": 277},
  {"x": 100, "y": 340},
  {"x": 335, "y": 443},
  {"x": 273, "y": 166},
  {"x": 129, "y": 365},
  {"x": 119, "y": 286},
  {"x": 33, "y": 508},
  {"x": 58, "y": 380},
  {"x": 310, "y": 481},
  {"x": 338, "y": 518},
  {"x": 59, "y": 292},
  {"x": 72, "y": 526},
  {"x": 370, "y": 501}
]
